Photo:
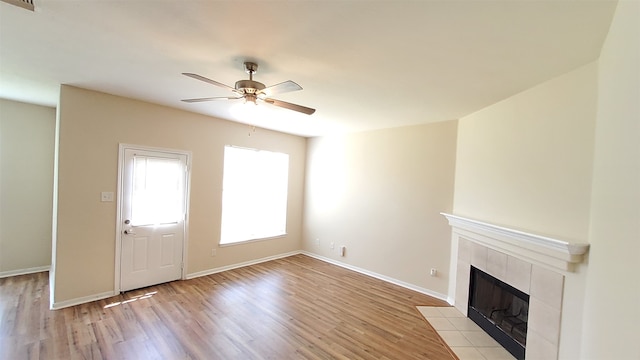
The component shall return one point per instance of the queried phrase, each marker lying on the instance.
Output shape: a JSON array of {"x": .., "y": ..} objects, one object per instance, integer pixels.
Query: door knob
[{"x": 129, "y": 232}]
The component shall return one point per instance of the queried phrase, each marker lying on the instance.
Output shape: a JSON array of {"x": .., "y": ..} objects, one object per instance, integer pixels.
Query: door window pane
[{"x": 157, "y": 191}]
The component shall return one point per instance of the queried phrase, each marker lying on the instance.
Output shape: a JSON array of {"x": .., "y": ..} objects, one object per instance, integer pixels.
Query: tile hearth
[{"x": 466, "y": 339}]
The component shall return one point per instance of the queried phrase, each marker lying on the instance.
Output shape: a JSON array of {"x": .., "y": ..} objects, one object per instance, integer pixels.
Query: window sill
[{"x": 253, "y": 240}]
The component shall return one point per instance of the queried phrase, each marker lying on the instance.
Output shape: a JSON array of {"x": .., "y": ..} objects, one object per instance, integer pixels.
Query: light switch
[{"x": 106, "y": 196}]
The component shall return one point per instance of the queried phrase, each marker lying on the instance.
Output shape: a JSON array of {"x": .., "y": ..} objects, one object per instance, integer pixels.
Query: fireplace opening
[{"x": 499, "y": 309}]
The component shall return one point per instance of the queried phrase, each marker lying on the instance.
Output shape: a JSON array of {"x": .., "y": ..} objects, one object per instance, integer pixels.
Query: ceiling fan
[{"x": 252, "y": 91}]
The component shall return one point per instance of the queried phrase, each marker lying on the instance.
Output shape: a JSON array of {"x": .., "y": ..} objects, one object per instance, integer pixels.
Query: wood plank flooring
[{"x": 292, "y": 308}]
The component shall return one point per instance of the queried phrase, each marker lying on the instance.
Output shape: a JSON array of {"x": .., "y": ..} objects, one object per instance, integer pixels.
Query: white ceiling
[{"x": 363, "y": 64}]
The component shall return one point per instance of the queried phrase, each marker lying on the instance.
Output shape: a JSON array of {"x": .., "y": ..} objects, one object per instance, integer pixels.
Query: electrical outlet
[
  {"x": 434, "y": 272},
  {"x": 333, "y": 245},
  {"x": 214, "y": 252},
  {"x": 317, "y": 242}
]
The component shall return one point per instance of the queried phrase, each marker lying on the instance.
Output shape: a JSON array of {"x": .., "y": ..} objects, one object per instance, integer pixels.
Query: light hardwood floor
[{"x": 292, "y": 308}]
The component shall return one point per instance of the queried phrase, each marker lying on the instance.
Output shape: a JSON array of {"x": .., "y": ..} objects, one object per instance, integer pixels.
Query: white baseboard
[
  {"x": 239, "y": 265},
  {"x": 95, "y": 297},
  {"x": 406, "y": 285},
  {"x": 32, "y": 270},
  {"x": 82, "y": 300}
]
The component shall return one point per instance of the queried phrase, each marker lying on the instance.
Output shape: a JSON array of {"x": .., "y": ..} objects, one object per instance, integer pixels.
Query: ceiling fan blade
[
  {"x": 207, "y": 80},
  {"x": 290, "y": 106},
  {"x": 212, "y": 99},
  {"x": 283, "y": 87}
]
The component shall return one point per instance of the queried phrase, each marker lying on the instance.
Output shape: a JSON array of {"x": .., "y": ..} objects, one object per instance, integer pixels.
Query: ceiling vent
[{"x": 25, "y": 4}]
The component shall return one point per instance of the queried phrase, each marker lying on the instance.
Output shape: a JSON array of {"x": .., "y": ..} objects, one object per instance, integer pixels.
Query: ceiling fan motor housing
[{"x": 249, "y": 86}]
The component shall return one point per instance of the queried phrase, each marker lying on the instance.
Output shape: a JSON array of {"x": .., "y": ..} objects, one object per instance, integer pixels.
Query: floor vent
[{"x": 25, "y": 4}]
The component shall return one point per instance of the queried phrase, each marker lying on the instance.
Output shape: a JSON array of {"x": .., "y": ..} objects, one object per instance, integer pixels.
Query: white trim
[
  {"x": 82, "y": 300},
  {"x": 26, "y": 271},
  {"x": 239, "y": 265},
  {"x": 453, "y": 270},
  {"x": 118, "y": 245},
  {"x": 54, "y": 212},
  {"x": 534, "y": 248},
  {"x": 118, "y": 237},
  {"x": 403, "y": 284}
]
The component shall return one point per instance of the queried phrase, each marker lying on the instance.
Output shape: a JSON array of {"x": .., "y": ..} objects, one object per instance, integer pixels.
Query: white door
[{"x": 152, "y": 215}]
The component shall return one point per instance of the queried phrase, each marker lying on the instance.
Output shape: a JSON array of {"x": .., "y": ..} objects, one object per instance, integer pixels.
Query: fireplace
[
  {"x": 499, "y": 309},
  {"x": 535, "y": 265}
]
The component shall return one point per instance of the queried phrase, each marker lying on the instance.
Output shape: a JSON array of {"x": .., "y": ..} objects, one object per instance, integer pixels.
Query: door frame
[{"x": 187, "y": 183}]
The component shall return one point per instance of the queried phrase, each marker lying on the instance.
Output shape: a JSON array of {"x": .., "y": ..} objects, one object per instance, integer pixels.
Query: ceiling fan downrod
[{"x": 250, "y": 68}]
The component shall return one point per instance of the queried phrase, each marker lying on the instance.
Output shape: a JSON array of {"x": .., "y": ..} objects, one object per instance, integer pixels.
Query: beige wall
[
  {"x": 380, "y": 193},
  {"x": 611, "y": 315},
  {"x": 526, "y": 162},
  {"x": 26, "y": 186},
  {"x": 91, "y": 126}
]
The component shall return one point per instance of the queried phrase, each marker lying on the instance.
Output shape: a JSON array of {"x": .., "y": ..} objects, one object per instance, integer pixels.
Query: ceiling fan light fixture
[
  {"x": 247, "y": 112},
  {"x": 250, "y": 98}
]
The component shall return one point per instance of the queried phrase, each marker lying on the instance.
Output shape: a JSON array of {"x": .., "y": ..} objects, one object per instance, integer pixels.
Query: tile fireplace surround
[{"x": 533, "y": 264}]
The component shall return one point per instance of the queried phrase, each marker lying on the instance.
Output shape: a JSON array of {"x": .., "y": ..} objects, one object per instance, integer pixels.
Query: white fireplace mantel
[{"x": 534, "y": 248}]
